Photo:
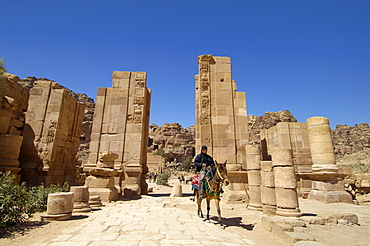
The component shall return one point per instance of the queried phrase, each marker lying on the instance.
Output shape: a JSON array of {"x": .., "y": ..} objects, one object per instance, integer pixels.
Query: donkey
[{"x": 213, "y": 189}]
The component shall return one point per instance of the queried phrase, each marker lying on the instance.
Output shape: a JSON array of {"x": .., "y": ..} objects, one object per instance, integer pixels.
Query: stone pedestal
[
  {"x": 81, "y": 199},
  {"x": 176, "y": 191},
  {"x": 253, "y": 157},
  {"x": 95, "y": 201},
  {"x": 131, "y": 184},
  {"x": 268, "y": 197},
  {"x": 101, "y": 183},
  {"x": 327, "y": 185},
  {"x": 59, "y": 206},
  {"x": 285, "y": 183}
]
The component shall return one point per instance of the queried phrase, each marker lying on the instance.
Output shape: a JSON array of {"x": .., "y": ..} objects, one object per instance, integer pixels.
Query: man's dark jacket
[{"x": 203, "y": 158}]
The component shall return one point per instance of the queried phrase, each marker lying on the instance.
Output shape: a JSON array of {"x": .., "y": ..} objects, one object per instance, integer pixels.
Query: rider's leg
[{"x": 201, "y": 183}]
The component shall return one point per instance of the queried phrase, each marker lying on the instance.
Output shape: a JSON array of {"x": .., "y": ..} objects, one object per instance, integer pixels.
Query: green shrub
[
  {"x": 40, "y": 194},
  {"x": 19, "y": 202},
  {"x": 186, "y": 165},
  {"x": 160, "y": 152},
  {"x": 162, "y": 178},
  {"x": 15, "y": 201}
]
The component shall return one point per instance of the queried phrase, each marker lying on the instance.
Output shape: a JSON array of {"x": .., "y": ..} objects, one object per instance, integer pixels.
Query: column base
[
  {"x": 330, "y": 196},
  {"x": 105, "y": 194},
  {"x": 269, "y": 210},
  {"x": 288, "y": 212},
  {"x": 255, "y": 207},
  {"x": 54, "y": 217}
]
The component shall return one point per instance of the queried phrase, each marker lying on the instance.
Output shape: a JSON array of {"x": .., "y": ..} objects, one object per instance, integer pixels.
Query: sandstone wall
[
  {"x": 13, "y": 104},
  {"x": 85, "y": 138},
  {"x": 51, "y": 135}
]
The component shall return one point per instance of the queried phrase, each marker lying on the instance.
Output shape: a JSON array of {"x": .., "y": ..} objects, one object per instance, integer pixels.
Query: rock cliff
[
  {"x": 350, "y": 139},
  {"x": 177, "y": 142}
]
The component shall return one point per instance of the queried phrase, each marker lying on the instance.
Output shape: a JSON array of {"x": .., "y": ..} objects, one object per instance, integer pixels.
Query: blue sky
[{"x": 310, "y": 57}]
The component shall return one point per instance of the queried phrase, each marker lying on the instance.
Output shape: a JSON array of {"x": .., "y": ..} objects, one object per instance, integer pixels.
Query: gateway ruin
[{"x": 40, "y": 131}]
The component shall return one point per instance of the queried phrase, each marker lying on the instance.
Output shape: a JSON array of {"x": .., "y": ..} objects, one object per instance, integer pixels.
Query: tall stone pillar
[
  {"x": 221, "y": 121},
  {"x": 268, "y": 197},
  {"x": 120, "y": 126},
  {"x": 51, "y": 135},
  {"x": 327, "y": 184},
  {"x": 254, "y": 176},
  {"x": 285, "y": 183}
]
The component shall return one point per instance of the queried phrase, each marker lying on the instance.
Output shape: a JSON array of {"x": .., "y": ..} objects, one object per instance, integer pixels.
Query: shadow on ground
[
  {"x": 167, "y": 194},
  {"x": 234, "y": 221},
  {"x": 20, "y": 229}
]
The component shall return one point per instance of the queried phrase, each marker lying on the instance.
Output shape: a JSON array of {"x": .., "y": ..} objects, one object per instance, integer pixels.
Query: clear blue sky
[{"x": 310, "y": 57}]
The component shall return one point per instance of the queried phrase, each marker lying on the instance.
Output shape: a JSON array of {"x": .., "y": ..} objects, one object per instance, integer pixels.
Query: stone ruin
[
  {"x": 51, "y": 135},
  {"x": 293, "y": 159},
  {"x": 41, "y": 130},
  {"x": 13, "y": 106},
  {"x": 120, "y": 137},
  {"x": 221, "y": 121}
]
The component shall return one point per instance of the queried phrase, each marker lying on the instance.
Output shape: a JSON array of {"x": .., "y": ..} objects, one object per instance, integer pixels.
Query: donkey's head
[{"x": 222, "y": 172}]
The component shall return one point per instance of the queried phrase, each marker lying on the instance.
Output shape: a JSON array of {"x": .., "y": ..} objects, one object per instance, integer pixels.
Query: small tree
[
  {"x": 162, "y": 178},
  {"x": 161, "y": 153},
  {"x": 3, "y": 87},
  {"x": 186, "y": 165}
]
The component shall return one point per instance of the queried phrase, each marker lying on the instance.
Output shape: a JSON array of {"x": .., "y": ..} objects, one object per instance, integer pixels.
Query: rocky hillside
[
  {"x": 348, "y": 140},
  {"x": 177, "y": 142},
  {"x": 269, "y": 119}
]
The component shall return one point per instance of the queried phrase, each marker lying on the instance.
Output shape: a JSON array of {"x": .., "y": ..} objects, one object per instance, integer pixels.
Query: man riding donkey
[
  {"x": 212, "y": 175},
  {"x": 206, "y": 167}
]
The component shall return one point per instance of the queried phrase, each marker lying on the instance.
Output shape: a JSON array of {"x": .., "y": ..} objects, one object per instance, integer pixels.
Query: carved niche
[
  {"x": 51, "y": 131},
  {"x": 140, "y": 84},
  {"x": 205, "y": 117}
]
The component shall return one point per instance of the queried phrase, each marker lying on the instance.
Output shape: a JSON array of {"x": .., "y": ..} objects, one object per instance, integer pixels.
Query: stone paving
[
  {"x": 148, "y": 221},
  {"x": 159, "y": 219}
]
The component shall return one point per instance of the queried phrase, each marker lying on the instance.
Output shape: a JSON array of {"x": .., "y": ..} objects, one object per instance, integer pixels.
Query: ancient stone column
[
  {"x": 254, "y": 176},
  {"x": 268, "y": 197},
  {"x": 221, "y": 122},
  {"x": 81, "y": 199},
  {"x": 285, "y": 183},
  {"x": 327, "y": 184},
  {"x": 59, "y": 206},
  {"x": 120, "y": 126}
]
